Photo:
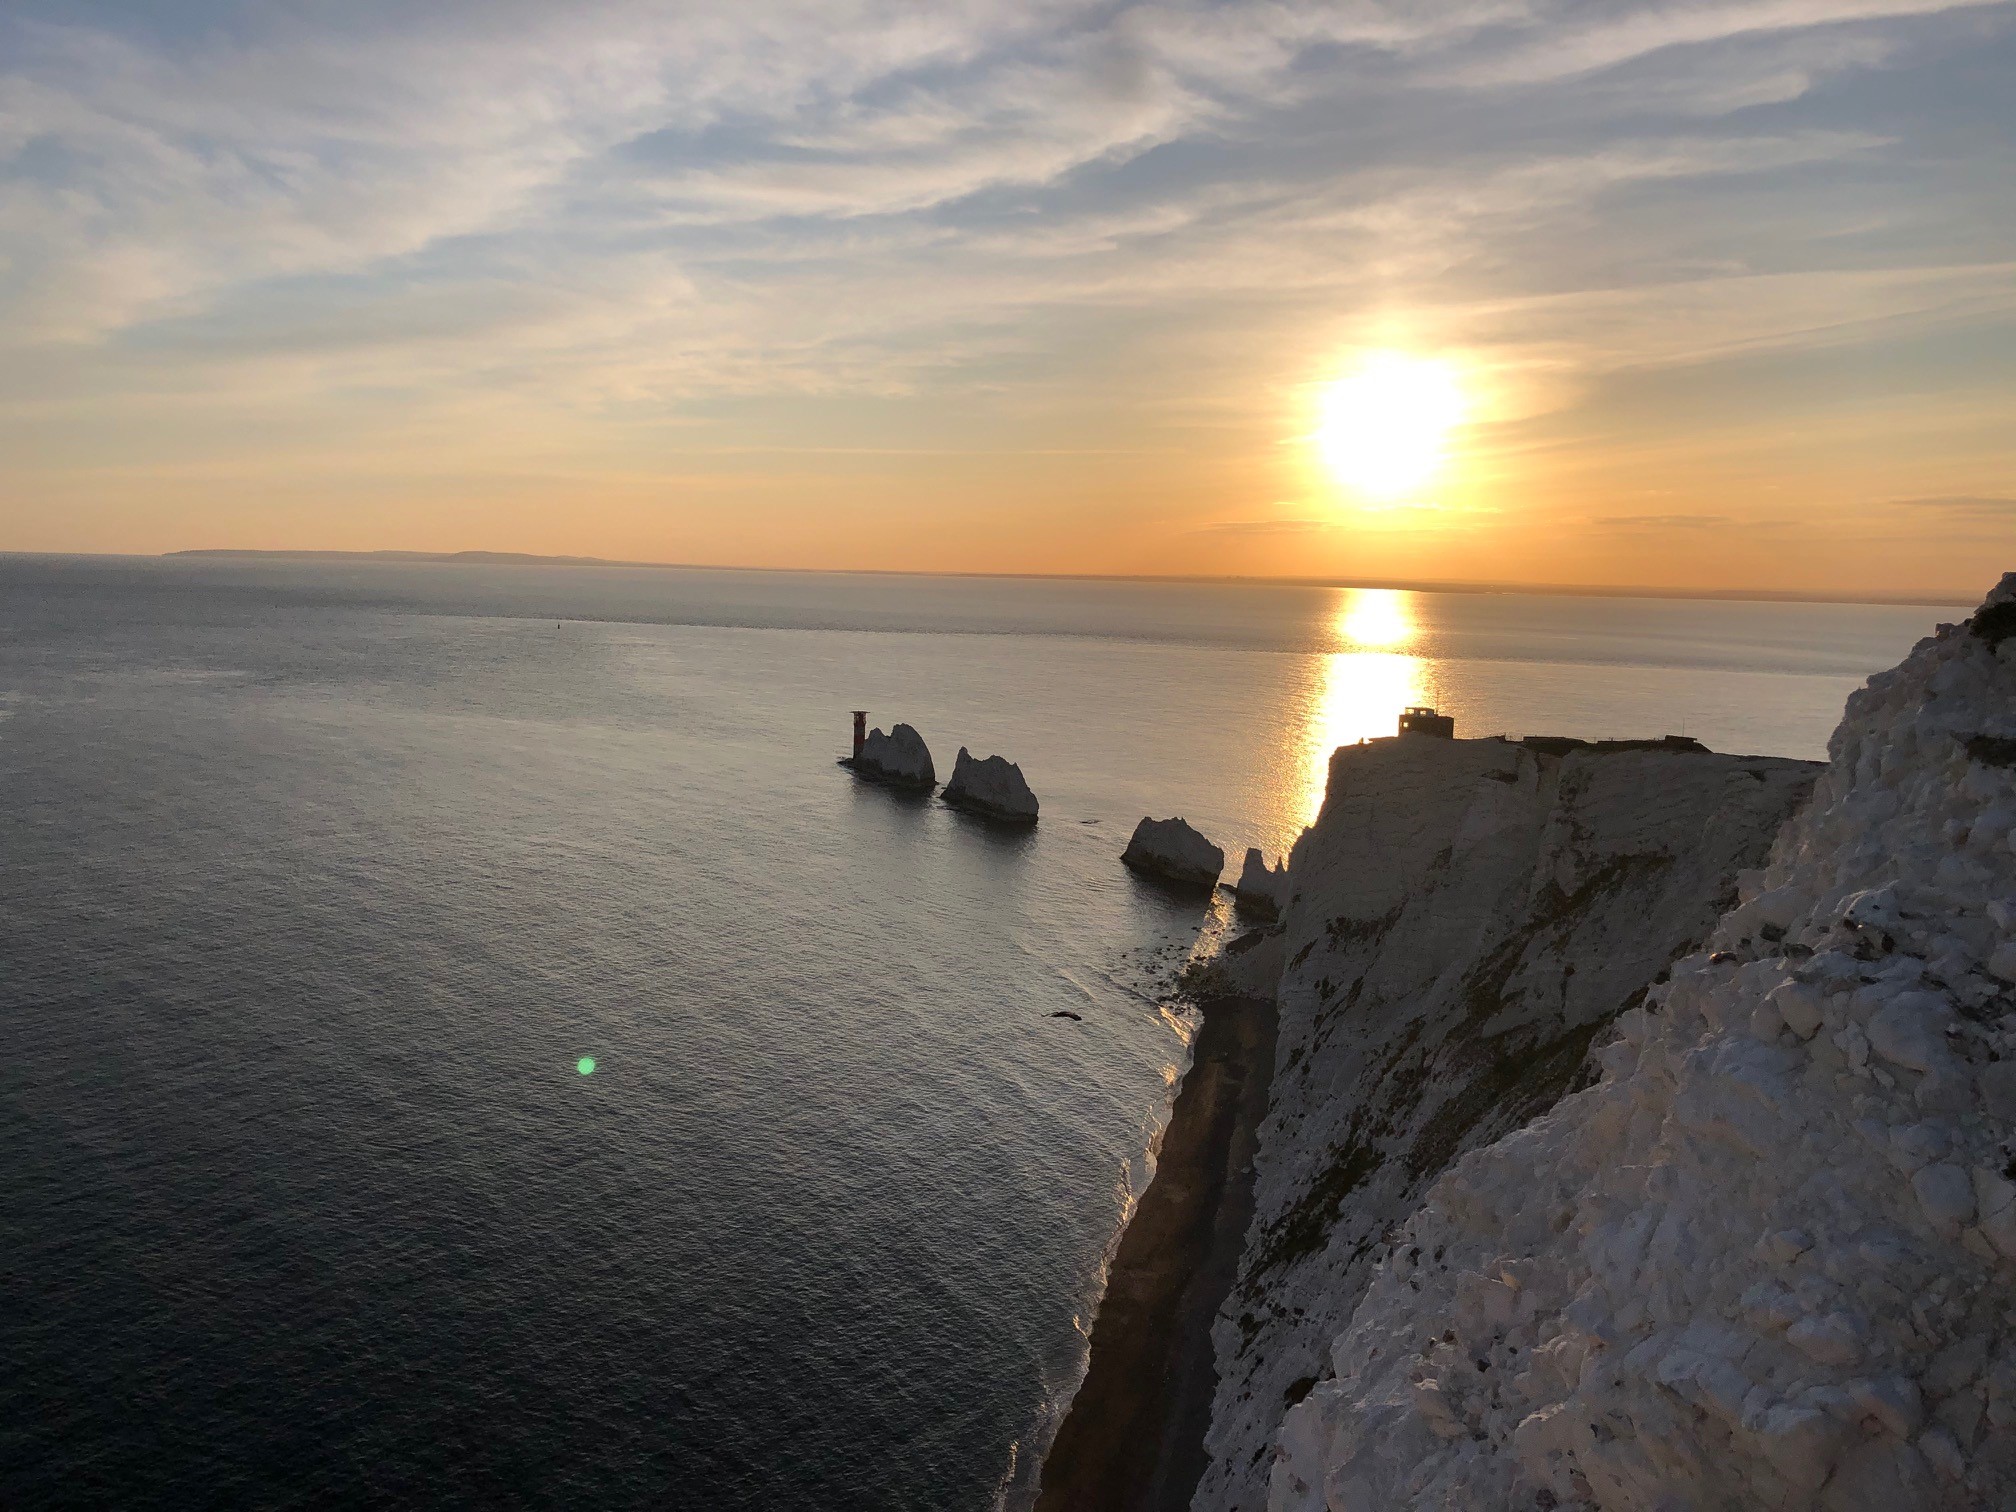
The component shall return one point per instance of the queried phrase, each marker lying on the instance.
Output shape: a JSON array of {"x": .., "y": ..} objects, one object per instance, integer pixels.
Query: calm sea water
[{"x": 320, "y": 880}]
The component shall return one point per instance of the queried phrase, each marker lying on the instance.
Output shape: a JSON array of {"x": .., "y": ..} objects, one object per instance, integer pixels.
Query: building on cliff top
[{"x": 1419, "y": 721}]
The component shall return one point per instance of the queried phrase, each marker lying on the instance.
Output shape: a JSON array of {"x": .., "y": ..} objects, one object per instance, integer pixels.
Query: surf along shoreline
[{"x": 1133, "y": 1438}]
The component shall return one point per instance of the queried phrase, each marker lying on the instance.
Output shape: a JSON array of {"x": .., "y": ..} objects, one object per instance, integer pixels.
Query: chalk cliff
[
  {"x": 992, "y": 786},
  {"x": 899, "y": 758},
  {"x": 1766, "y": 1261},
  {"x": 1465, "y": 918}
]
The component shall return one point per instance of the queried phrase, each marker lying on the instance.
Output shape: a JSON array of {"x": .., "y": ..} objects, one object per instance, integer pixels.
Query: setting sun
[{"x": 1384, "y": 428}]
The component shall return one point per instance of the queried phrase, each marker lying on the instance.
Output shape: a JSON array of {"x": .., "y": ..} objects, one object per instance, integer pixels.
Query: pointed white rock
[
  {"x": 991, "y": 785},
  {"x": 899, "y": 758}
]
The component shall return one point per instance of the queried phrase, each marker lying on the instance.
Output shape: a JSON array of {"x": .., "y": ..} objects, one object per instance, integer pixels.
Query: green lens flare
[{"x": 585, "y": 1065}]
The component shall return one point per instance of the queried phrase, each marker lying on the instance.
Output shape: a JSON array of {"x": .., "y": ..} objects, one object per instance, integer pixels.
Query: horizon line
[{"x": 1910, "y": 598}]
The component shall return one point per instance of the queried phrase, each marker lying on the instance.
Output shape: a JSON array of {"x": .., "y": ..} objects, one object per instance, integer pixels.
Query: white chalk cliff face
[
  {"x": 1172, "y": 850},
  {"x": 1766, "y": 1261},
  {"x": 900, "y": 758},
  {"x": 1466, "y": 918},
  {"x": 993, "y": 786}
]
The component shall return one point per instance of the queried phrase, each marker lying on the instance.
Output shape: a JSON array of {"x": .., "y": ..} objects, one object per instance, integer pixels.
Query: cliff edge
[
  {"x": 1463, "y": 920},
  {"x": 1766, "y": 1259}
]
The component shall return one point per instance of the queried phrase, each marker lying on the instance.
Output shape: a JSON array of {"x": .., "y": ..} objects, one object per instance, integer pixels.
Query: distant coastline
[
  {"x": 1930, "y": 597},
  {"x": 501, "y": 558}
]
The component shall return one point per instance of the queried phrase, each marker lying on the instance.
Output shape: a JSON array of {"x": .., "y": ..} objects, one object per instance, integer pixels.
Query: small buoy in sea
[{"x": 585, "y": 1065}]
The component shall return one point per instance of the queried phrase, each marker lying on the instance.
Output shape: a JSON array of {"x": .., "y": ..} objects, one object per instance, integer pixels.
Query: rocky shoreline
[{"x": 1133, "y": 1439}]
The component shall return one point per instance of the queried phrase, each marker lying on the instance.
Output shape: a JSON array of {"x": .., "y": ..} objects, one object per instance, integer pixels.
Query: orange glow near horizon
[
  {"x": 1383, "y": 429},
  {"x": 621, "y": 300}
]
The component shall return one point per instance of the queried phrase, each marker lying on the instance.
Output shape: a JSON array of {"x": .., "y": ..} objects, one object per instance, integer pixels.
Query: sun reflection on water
[
  {"x": 1357, "y": 694},
  {"x": 1374, "y": 617}
]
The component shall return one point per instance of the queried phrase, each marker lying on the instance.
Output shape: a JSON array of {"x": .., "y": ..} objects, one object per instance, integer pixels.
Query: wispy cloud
[
  {"x": 1263, "y": 527},
  {"x": 1020, "y": 218},
  {"x": 1963, "y": 504},
  {"x": 170, "y": 178},
  {"x": 1662, "y": 522},
  {"x": 1628, "y": 33}
]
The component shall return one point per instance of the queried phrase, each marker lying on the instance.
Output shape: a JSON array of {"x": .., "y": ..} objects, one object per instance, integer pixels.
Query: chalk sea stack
[
  {"x": 992, "y": 787},
  {"x": 1170, "y": 850},
  {"x": 900, "y": 759},
  {"x": 1261, "y": 887}
]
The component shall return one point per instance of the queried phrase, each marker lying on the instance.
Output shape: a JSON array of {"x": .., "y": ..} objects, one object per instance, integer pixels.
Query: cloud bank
[{"x": 658, "y": 228}]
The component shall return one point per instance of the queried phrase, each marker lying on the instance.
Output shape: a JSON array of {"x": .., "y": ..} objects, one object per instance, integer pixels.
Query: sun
[{"x": 1383, "y": 429}]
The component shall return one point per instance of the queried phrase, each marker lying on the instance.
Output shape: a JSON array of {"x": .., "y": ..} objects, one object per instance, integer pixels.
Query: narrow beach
[{"x": 1133, "y": 1440}]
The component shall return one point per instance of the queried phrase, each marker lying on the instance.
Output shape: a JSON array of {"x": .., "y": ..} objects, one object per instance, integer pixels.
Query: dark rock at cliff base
[
  {"x": 1262, "y": 888},
  {"x": 1169, "y": 849},
  {"x": 992, "y": 787},
  {"x": 899, "y": 758}
]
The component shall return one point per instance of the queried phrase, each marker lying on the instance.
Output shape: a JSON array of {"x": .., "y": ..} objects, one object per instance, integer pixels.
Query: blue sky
[{"x": 1035, "y": 286}]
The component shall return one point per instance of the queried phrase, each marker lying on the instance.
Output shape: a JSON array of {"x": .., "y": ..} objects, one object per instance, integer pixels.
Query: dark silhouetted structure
[
  {"x": 860, "y": 731},
  {"x": 1427, "y": 722}
]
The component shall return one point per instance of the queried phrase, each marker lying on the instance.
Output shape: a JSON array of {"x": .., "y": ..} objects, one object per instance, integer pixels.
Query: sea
[{"x": 465, "y": 1042}]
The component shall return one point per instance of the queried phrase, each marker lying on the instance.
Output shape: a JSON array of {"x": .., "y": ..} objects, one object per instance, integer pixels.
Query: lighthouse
[{"x": 860, "y": 731}]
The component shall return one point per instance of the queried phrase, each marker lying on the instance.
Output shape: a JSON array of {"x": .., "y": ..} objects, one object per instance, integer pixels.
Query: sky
[{"x": 1707, "y": 295}]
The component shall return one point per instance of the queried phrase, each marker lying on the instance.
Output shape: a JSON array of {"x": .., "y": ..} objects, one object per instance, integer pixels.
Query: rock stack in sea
[
  {"x": 1261, "y": 887},
  {"x": 899, "y": 758},
  {"x": 1767, "y": 1259},
  {"x": 1170, "y": 850},
  {"x": 992, "y": 787}
]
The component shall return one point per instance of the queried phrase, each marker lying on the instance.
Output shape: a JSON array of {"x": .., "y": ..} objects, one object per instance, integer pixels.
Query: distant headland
[
  {"x": 1929, "y": 596},
  {"x": 491, "y": 558}
]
